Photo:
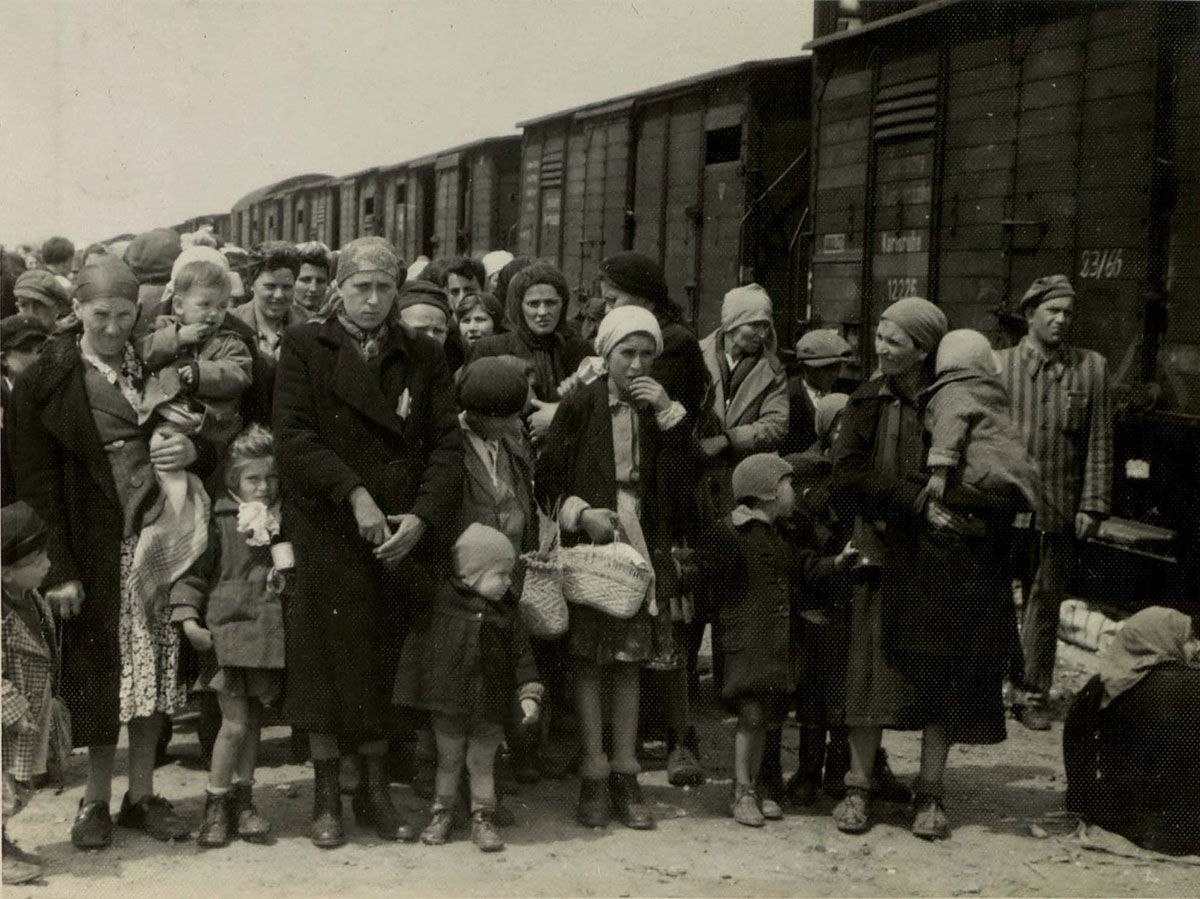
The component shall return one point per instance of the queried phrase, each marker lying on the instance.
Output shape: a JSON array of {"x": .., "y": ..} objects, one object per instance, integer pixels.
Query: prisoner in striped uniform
[{"x": 1060, "y": 401}]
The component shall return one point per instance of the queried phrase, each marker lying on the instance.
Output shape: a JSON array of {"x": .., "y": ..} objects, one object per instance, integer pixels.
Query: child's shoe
[
  {"x": 745, "y": 807},
  {"x": 593, "y": 809},
  {"x": 155, "y": 816},
  {"x": 251, "y": 825},
  {"x": 219, "y": 822},
  {"x": 437, "y": 831},
  {"x": 853, "y": 813},
  {"x": 930, "y": 821},
  {"x": 326, "y": 831},
  {"x": 628, "y": 806},
  {"x": 483, "y": 831},
  {"x": 770, "y": 808},
  {"x": 683, "y": 768},
  {"x": 93, "y": 826}
]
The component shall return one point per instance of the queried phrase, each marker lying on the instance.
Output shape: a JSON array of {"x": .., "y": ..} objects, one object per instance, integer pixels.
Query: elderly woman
[
  {"x": 370, "y": 464},
  {"x": 480, "y": 315},
  {"x": 1131, "y": 741},
  {"x": 537, "y": 309},
  {"x": 312, "y": 280},
  {"x": 618, "y": 457},
  {"x": 85, "y": 464},
  {"x": 271, "y": 275},
  {"x": 932, "y": 627},
  {"x": 633, "y": 280}
]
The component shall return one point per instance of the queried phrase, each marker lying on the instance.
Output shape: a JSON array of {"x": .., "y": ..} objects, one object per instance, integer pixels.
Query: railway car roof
[
  {"x": 922, "y": 10},
  {"x": 670, "y": 87},
  {"x": 286, "y": 184}
]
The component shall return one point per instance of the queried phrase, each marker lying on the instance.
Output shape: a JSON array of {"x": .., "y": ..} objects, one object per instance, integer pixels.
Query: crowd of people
[{"x": 331, "y": 484}]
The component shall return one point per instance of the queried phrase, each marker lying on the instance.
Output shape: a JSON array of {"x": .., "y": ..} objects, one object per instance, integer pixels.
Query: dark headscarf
[
  {"x": 508, "y": 273},
  {"x": 546, "y": 349},
  {"x": 106, "y": 277}
]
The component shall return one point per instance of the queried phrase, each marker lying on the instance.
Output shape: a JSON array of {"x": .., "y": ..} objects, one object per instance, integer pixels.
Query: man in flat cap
[
  {"x": 41, "y": 295},
  {"x": 1059, "y": 396},
  {"x": 821, "y": 355}
]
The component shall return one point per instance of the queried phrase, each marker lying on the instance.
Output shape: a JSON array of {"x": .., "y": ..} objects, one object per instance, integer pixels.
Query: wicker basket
[
  {"x": 542, "y": 606},
  {"x": 612, "y": 579}
]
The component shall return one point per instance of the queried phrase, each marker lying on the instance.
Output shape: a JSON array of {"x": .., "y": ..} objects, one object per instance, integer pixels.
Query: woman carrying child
[
  {"x": 619, "y": 458},
  {"x": 465, "y": 666},
  {"x": 229, "y": 607}
]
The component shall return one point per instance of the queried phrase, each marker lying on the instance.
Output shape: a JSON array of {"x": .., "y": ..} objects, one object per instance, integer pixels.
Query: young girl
[
  {"x": 618, "y": 456},
  {"x": 464, "y": 667},
  {"x": 230, "y": 609},
  {"x": 758, "y": 572}
]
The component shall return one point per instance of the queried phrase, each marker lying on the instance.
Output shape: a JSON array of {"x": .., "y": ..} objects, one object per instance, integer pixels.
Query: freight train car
[
  {"x": 707, "y": 175},
  {"x": 218, "y": 223},
  {"x": 962, "y": 149},
  {"x": 268, "y": 213},
  {"x": 462, "y": 200}
]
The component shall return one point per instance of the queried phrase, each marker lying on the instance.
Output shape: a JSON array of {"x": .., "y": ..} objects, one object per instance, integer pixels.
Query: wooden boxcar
[
  {"x": 963, "y": 149},
  {"x": 707, "y": 175},
  {"x": 267, "y": 213},
  {"x": 217, "y": 222}
]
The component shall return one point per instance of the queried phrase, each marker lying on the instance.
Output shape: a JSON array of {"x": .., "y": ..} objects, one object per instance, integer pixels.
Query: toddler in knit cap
[{"x": 977, "y": 457}]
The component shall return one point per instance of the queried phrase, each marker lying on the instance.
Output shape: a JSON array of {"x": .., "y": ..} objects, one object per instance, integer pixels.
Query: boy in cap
[
  {"x": 759, "y": 574},
  {"x": 20, "y": 337},
  {"x": 28, "y": 663},
  {"x": 821, "y": 355},
  {"x": 1060, "y": 402},
  {"x": 40, "y": 295}
]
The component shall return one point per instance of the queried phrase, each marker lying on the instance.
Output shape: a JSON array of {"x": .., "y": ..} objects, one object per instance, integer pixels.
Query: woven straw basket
[
  {"x": 542, "y": 605},
  {"x": 612, "y": 578}
]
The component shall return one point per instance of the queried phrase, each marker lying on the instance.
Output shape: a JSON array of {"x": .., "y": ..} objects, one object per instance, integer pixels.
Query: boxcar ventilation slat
[{"x": 905, "y": 110}]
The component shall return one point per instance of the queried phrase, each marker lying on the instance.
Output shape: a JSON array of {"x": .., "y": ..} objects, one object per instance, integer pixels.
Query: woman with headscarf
[
  {"x": 274, "y": 266},
  {"x": 370, "y": 464},
  {"x": 1131, "y": 740},
  {"x": 632, "y": 280},
  {"x": 932, "y": 625},
  {"x": 89, "y": 468},
  {"x": 537, "y": 302},
  {"x": 618, "y": 457}
]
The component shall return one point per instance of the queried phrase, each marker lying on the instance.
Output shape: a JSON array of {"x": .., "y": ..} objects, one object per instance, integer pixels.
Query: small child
[
  {"x": 759, "y": 574},
  {"x": 196, "y": 363},
  {"x": 230, "y": 609},
  {"x": 29, "y": 663},
  {"x": 463, "y": 666},
  {"x": 977, "y": 457}
]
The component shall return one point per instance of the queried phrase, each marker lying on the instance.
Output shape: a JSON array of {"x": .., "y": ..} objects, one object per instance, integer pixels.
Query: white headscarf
[{"x": 622, "y": 322}]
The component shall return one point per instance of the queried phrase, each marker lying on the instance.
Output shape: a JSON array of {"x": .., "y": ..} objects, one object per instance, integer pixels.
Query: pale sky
[{"x": 123, "y": 116}]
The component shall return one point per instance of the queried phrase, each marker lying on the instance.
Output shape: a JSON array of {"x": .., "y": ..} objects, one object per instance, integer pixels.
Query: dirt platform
[{"x": 1010, "y": 839}]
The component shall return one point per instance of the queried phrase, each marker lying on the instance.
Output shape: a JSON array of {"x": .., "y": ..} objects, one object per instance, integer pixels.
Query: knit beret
[
  {"x": 22, "y": 531},
  {"x": 758, "y": 476},
  {"x": 478, "y": 549},
  {"x": 1043, "y": 290},
  {"x": 43, "y": 287},
  {"x": 106, "y": 277},
  {"x": 492, "y": 386},
  {"x": 152, "y": 254},
  {"x": 636, "y": 274},
  {"x": 423, "y": 293},
  {"x": 822, "y": 348},
  {"x": 20, "y": 329}
]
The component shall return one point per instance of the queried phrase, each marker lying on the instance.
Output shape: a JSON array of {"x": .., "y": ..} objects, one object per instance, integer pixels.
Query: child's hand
[
  {"x": 199, "y": 637},
  {"x": 531, "y": 710},
  {"x": 936, "y": 487},
  {"x": 187, "y": 376},
  {"x": 192, "y": 334}
]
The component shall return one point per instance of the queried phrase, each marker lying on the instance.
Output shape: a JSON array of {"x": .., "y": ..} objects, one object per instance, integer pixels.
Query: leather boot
[
  {"x": 218, "y": 826},
  {"x": 326, "y": 831},
  {"x": 803, "y": 785},
  {"x": 628, "y": 806},
  {"x": 372, "y": 803},
  {"x": 251, "y": 825},
  {"x": 593, "y": 809}
]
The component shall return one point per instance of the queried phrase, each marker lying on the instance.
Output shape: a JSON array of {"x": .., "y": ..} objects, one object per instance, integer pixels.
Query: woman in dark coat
[
  {"x": 932, "y": 631},
  {"x": 370, "y": 463},
  {"x": 537, "y": 302},
  {"x": 618, "y": 457},
  {"x": 82, "y": 460},
  {"x": 631, "y": 279}
]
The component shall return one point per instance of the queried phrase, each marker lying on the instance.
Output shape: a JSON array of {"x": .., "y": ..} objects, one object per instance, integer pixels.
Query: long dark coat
[
  {"x": 63, "y": 471},
  {"x": 337, "y": 427},
  {"x": 571, "y": 350},
  {"x": 466, "y": 658}
]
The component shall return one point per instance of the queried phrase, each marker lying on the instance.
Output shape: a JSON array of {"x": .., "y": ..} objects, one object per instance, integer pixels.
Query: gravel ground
[{"x": 1010, "y": 838}]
